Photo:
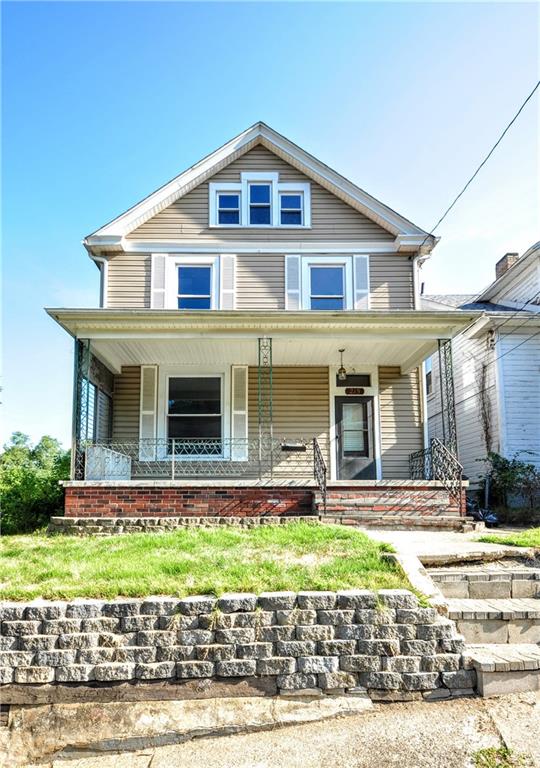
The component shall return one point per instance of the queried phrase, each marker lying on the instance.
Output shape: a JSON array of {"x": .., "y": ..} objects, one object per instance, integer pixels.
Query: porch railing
[
  {"x": 175, "y": 459},
  {"x": 438, "y": 463},
  {"x": 319, "y": 470}
]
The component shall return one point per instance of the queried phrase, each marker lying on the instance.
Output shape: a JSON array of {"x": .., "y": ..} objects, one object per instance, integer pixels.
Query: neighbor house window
[
  {"x": 194, "y": 414},
  {"x": 194, "y": 287},
  {"x": 429, "y": 376},
  {"x": 260, "y": 204},
  {"x": 290, "y": 209},
  {"x": 327, "y": 287},
  {"x": 228, "y": 208}
]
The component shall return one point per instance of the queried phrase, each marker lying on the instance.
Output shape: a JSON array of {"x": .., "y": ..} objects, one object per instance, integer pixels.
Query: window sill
[{"x": 258, "y": 226}]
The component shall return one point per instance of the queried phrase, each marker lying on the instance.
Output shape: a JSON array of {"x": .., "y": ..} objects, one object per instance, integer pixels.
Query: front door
[{"x": 354, "y": 438}]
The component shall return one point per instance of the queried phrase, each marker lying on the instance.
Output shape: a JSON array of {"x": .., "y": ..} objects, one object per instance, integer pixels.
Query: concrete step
[
  {"x": 503, "y": 583},
  {"x": 496, "y": 620},
  {"x": 504, "y": 668}
]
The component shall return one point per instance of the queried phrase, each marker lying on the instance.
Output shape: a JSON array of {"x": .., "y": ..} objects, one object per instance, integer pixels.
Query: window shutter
[
  {"x": 157, "y": 281},
  {"x": 239, "y": 415},
  {"x": 148, "y": 407},
  {"x": 227, "y": 272},
  {"x": 361, "y": 282},
  {"x": 292, "y": 282}
]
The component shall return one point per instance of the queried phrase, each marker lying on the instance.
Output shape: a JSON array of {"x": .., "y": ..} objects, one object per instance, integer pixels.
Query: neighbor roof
[
  {"x": 466, "y": 301},
  {"x": 404, "y": 230}
]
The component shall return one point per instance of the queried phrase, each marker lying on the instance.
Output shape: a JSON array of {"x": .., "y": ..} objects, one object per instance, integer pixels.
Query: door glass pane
[
  {"x": 353, "y": 426},
  {"x": 195, "y": 395}
]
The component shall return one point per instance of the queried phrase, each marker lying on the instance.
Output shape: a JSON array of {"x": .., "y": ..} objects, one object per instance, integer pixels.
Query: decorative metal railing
[
  {"x": 319, "y": 470},
  {"x": 438, "y": 463},
  {"x": 171, "y": 459}
]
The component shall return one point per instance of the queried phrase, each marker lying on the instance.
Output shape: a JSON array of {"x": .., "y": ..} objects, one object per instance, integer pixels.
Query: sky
[{"x": 104, "y": 102}]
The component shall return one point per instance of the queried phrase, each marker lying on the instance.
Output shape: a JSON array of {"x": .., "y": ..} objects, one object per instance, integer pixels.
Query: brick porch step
[
  {"x": 495, "y": 620},
  {"x": 504, "y": 667}
]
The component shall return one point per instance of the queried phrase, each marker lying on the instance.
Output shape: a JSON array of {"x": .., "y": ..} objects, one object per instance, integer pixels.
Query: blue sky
[{"x": 103, "y": 102}]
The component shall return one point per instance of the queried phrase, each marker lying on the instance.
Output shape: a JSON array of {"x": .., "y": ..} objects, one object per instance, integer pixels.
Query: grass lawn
[
  {"x": 528, "y": 538},
  {"x": 194, "y": 561}
]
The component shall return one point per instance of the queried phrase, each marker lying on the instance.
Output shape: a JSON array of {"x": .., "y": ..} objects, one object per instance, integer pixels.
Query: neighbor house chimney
[{"x": 504, "y": 264}]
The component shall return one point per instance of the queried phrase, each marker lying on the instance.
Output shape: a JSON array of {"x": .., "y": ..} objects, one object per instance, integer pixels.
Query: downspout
[{"x": 103, "y": 266}]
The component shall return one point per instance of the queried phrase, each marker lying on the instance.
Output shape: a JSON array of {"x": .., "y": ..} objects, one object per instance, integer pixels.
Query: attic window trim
[{"x": 241, "y": 188}]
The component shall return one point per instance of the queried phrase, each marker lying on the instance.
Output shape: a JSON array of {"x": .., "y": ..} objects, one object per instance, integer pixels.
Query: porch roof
[{"x": 129, "y": 337}]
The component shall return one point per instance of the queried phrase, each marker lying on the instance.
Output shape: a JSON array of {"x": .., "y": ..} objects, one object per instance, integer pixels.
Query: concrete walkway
[{"x": 413, "y": 735}]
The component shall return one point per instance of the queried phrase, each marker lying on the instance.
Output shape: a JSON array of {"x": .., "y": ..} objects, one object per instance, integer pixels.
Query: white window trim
[
  {"x": 171, "y": 280},
  {"x": 331, "y": 261},
  {"x": 242, "y": 188}
]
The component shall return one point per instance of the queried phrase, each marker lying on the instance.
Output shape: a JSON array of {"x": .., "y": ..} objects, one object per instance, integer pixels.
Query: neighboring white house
[{"x": 496, "y": 367}]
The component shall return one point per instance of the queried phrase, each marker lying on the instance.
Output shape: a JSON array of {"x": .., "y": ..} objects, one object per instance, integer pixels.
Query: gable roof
[
  {"x": 407, "y": 233},
  {"x": 515, "y": 270}
]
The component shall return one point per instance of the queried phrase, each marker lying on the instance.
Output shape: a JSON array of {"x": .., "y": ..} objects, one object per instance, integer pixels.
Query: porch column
[
  {"x": 81, "y": 402},
  {"x": 264, "y": 392},
  {"x": 448, "y": 405}
]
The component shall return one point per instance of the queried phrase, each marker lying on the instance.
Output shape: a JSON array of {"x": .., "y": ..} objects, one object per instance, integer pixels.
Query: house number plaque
[{"x": 354, "y": 390}]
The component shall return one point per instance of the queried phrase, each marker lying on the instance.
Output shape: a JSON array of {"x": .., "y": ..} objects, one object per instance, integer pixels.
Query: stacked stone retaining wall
[{"x": 351, "y": 641}]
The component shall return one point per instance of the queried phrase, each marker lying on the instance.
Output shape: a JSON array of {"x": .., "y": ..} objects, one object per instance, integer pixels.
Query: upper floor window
[
  {"x": 328, "y": 282},
  {"x": 194, "y": 287},
  {"x": 259, "y": 199},
  {"x": 327, "y": 287},
  {"x": 429, "y": 376}
]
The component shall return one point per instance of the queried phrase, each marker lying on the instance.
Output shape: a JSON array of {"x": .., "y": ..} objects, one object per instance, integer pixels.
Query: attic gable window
[{"x": 260, "y": 199}]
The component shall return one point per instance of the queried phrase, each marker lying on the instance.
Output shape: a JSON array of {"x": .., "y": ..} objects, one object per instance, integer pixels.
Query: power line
[{"x": 484, "y": 161}]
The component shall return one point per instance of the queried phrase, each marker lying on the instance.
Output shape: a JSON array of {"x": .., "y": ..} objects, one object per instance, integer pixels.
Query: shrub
[
  {"x": 512, "y": 477},
  {"x": 29, "y": 482}
]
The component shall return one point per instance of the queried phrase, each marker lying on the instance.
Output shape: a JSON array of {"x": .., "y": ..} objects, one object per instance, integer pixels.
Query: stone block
[
  {"x": 456, "y": 645},
  {"x": 397, "y": 598},
  {"x": 403, "y": 631},
  {"x": 188, "y": 669},
  {"x": 96, "y": 655},
  {"x": 436, "y": 694},
  {"x": 177, "y": 653},
  {"x": 336, "y": 618},
  {"x": 59, "y": 627},
  {"x": 55, "y": 658},
  {"x": 420, "y": 681},
  {"x": 34, "y": 675},
  {"x": 524, "y": 631},
  {"x": 84, "y": 610},
  {"x": 241, "y": 635},
  {"x": 440, "y": 631},
  {"x": 388, "y": 631},
  {"x": 296, "y": 648},
  {"x": 418, "y": 647},
  {"x": 252, "y": 619},
  {"x": 360, "y": 663},
  {"x": 101, "y": 624},
  {"x": 35, "y": 642},
  {"x": 196, "y": 604},
  {"x": 401, "y": 664},
  {"x": 158, "y": 638},
  {"x": 355, "y": 632},
  {"x": 136, "y": 655},
  {"x": 458, "y": 589},
  {"x": 233, "y": 602},
  {"x": 19, "y": 628},
  {"x": 235, "y": 668},
  {"x": 296, "y": 681},
  {"x": 376, "y": 616},
  {"x": 6, "y": 675},
  {"x": 138, "y": 623},
  {"x": 177, "y": 622},
  {"x": 253, "y": 651},
  {"x": 120, "y": 608},
  {"x": 490, "y": 589},
  {"x": 214, "y": 652},
  {"x": 394, "y": 696},
  {"x": 75, "y": 673},
  {"x": 443, "y": 662},
  {"x": 13, "y": 643},
  {"x": 114, "y": 671},
  {"x": 463, "y": 678},
  {"x": 159, "y": 606},
  {"x": 352, "y": 599},
  {"x": 45, "y": 611},
  {"x": 416, "y": 616},
  {"x": 155, "y": 671},
  {"x": 316, "y": 632},
  {"x": 79, "y": 640},
  {"x": 387, "y": 681},
  {"x": 276, "y": 666},
  {"x": 525, "y": 588},
  {"x": 273, "y": 634},
  {"x": 195, "y": 636},
  {"x": 336, "y": 680},
  {"x": 296, "y": 617},
  {"x": 484, "y": 630},
  {"x": 317, "y": 600},
  {"x": 317, "y": 664},
  {"x": 502, "y": 683},
  {"x": 336, "y": 647},
  {"x": 12, "y": 612},
  {"x": 378, "y": 647},
  {"x": 277, "y": 601}
]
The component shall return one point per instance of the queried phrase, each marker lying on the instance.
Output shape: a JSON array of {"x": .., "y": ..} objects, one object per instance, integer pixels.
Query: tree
[{"x": 29, "y": 482}]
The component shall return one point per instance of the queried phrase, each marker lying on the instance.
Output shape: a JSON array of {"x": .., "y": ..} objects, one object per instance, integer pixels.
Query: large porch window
[{"x": 195, "y": 411}]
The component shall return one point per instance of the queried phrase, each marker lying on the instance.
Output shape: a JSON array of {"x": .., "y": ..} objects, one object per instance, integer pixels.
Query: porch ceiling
[{"x": 132, "y": 337}]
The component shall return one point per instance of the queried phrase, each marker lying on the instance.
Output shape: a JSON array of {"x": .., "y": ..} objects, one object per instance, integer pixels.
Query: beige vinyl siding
[
  {"x": 400, "y": 420},
  {"x": 331, "y": 218},
  {"x": 129, "y": 280},
  {"x": 126, "y": 405},
  {"x": 391, "y": 282},
  {"x": 260, "y": 281}
]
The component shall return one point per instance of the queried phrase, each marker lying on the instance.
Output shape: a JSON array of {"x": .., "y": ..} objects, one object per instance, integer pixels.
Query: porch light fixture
[{"x": 342, "y": 373}]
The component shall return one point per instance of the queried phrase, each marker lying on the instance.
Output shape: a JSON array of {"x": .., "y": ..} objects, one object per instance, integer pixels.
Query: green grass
[
  {"x": 500, "y": 757},
  {"x": 528, "y": 538},
  {"x": 194, "y": 561}
]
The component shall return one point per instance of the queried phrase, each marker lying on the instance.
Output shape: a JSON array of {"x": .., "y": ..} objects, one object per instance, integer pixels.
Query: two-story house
[
  {"x": 496, "y": 367},
  {"x": 258, "y": 349}
]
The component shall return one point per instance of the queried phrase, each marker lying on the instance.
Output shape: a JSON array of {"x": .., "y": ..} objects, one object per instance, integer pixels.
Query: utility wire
[{"x": 484, "y": 161}]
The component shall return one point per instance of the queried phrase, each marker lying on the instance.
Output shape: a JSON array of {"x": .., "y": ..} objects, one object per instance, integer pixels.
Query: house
[
  {"x": 258, "y": 349},
  {"x": 496, "y": 366}
]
